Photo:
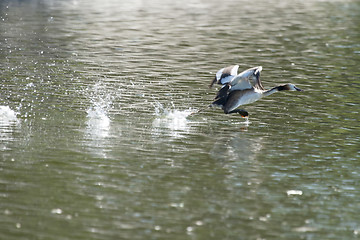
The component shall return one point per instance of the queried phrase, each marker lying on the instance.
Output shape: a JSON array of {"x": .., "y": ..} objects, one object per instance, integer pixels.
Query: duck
[{"x": 241, "y": 89}]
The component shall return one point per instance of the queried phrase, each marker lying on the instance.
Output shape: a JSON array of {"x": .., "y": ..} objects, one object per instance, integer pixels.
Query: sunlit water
[{"x": 106, "y": 133}]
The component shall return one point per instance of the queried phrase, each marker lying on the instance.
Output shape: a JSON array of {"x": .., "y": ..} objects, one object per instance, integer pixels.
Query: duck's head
[{"x": 289, "y": 87}]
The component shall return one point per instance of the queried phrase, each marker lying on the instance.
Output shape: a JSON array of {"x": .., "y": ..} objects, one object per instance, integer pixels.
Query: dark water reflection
[{"x": 97, "y": 140}]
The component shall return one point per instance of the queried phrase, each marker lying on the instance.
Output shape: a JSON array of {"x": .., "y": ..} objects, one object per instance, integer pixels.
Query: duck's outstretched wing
[
  {"x": 225, "y": 75},
  {"x": 247, "y": 79}
]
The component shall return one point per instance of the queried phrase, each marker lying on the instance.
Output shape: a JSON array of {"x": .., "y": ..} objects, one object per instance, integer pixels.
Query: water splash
[
  {"x": 174, "y": 120},
  {"x": 8, "y": 124},
  {"x": 7, "y": 116},
  {"x": 98, "y": 121},
  {"x": 246, "y": 123}
]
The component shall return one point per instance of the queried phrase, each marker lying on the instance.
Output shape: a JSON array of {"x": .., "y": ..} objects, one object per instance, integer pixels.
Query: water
[{"x": 99, "y": 139}]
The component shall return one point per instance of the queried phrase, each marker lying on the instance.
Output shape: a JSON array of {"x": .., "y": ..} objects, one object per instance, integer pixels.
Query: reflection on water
[
  {"x": 102, "y": 137},
  {"x": 240, "y": 158}
]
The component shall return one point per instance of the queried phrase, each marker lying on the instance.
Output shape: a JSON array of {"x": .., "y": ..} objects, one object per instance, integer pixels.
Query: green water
[{"x": 97, "y": 142}]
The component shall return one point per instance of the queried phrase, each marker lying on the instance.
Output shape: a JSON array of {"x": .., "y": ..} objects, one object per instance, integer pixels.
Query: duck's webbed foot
[{"x": 242, "y": 112}]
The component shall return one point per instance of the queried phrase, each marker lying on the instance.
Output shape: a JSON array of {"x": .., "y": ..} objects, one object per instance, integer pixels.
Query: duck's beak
[{"x": 298, "y": 89}]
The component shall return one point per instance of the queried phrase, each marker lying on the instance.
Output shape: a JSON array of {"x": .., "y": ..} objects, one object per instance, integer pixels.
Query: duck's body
[
  {"x": 241, "y": 97},
  {"x": 244, "y": 88}
]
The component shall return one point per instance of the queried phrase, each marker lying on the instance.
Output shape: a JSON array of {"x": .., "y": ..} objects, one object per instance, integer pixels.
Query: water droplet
[
  {"x": 294, "y": 192},
  {"x": 199, "y": 223},
  {"x": 56, "y": 211}
]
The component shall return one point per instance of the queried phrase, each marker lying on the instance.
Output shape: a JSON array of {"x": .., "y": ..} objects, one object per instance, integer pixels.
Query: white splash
[
  {"x": 8, "y": 124},
  {"x": 98, "y": 123},
  {"x": 294, "y": 192},
  {"x": 247, "y": 122},
  {"x": 172, "y": 119},
  {"x": 7, "y": 116}
]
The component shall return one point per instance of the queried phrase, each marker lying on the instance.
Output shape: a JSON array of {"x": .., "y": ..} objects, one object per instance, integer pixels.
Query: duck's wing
[
  {"x": 247, "y": 79},
  {"x": 225, "y": 75}
]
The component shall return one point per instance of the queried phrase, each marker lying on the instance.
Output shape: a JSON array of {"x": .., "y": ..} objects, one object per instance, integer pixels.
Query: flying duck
[{"x": 243, "y": 88}]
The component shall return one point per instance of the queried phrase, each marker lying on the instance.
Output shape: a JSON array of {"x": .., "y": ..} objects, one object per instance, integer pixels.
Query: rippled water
[{"x": 99, "y": 139}]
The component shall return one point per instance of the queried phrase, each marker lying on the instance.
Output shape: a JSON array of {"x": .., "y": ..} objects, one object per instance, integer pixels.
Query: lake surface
[{"x": 98, "y": 141}]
